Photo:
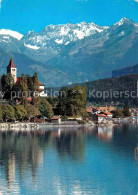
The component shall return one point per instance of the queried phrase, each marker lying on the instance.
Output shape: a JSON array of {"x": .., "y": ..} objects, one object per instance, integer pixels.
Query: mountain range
[
  {"x": 125, "y": 71},
  {"x": 71, "y": 53}
]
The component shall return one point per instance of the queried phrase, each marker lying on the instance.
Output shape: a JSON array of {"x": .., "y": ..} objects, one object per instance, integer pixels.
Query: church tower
[{"x": 11, "y": 69}]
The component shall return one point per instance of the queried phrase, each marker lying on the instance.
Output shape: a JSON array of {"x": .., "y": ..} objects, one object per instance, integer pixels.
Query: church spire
[
  {"x": 11, "y": 69},
  {"x": 11, "y": 64}
]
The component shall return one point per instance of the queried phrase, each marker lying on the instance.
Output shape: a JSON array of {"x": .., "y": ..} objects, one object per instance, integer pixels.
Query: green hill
[{"x": 114, "y": 90}]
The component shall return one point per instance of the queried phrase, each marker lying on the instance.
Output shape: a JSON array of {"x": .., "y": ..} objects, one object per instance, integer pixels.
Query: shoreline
[{"x": 36, "y": 126}]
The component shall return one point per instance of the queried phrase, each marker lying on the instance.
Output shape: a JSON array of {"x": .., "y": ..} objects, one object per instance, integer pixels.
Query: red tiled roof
[
  {"x": 104, "y": 108},
  {"x": 111, "y": 108},
  {"x": 41, "y": 84},
  {"x": 18, "y": 82},
  {"x": 55, "y": 118},
  {"x": 108, "y": 113},
  {"x": 101, "y": 115},
  {"x": 97, "y": 109},
  {"x": 11, "y": 64}
]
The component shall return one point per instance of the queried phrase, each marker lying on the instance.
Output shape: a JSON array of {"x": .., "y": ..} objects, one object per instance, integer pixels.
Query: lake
[{"x": 81, "y": 161}]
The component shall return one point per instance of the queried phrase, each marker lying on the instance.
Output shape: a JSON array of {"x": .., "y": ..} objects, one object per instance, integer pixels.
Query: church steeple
[
  {"x": 11, "y": 64},
  {"x": 11, "y": 69}
]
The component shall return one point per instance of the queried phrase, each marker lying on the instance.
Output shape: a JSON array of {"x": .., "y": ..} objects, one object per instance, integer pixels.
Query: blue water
[{"x": 96, "y": 161}]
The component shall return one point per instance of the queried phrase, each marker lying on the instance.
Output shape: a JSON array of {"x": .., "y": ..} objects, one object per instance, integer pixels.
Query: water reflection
[
  {"x": 26, "y": 149},
  {"x": 22, "y": 151},
  {"x": 105, "y": 133}
]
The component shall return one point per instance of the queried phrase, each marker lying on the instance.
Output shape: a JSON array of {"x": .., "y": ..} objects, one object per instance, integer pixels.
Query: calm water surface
[{"x": 96, "y": 161}]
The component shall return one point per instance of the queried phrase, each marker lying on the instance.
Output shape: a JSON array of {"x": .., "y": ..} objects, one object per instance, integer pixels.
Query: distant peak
[
  {"x": 11, "y": 33},
  {"x": 31, "y": 32},
  {"x": 123, "y": 20},
  {"x": 83, "y": 22}
]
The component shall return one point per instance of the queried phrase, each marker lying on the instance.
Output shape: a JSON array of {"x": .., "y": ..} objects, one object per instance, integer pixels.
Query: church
[{"x": 12, "y": 69}]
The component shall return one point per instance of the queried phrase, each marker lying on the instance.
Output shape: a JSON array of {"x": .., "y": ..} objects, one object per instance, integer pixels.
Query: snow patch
[
  {"x": 64, "y": 30},
  {"x": 31, "y": 46},
  {"x": 6, "y": 37},
  {"x": 5, "y": 41},
  {"x": 59, "y": 41},
  {"x": 67, "y": 43},
  {"x": 11, "y": 33},
  {"x": 122, "y": 33},
  {"x": 69, "y": 83},
  {"x": 79, "y": 34}
]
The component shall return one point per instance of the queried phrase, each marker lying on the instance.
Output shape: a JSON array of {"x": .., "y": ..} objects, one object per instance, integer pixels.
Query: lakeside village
[{"x": 31, "y": 105}]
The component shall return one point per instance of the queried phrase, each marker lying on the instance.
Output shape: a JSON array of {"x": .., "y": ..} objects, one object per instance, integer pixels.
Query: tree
[
  {"x": 32, "y": 111},
  {"x": 30, "y": 83},
  {"x": 54, "y": 101},
  {"x": 1, "y": 114},
  {"x": 45, "y": 108},
  {"x": 77, "y": 101},
  {"x": 24, "y": 89},
  {"x": 35, "y": 90},
  {"x": 8, "y": 112},
  {"x": 20, "y": 112},
  {"x": 117, "y": 113},
  {"x": 72, "y": 102},
  {"x": 126, "y": 111},
  {"x": 63, "y": 101},
  {"x": 7, "y": 83}
]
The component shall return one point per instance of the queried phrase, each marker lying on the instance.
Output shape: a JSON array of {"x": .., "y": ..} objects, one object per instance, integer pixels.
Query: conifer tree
[
  {"x": 126, "y": 111},
  {"x": 24, "y": 90},
  {"x": 7, "y": 83},
  {"x": 35, "y": 90},
  {"x": 1, "y": 113}
]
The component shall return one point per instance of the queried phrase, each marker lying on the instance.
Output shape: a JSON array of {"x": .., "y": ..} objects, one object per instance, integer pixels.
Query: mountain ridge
[{"x": 73, "y": 53}]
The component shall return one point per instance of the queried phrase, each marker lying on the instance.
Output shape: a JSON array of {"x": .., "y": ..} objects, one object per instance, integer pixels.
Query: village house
[
  {"x": 98, "y": 118},
  {"x": 98, "y": 110},
  {"x": 12, "y": 69},
  {"x": 100, "y": 115},
  {"x": 56, "y": 119},
  {"x": 92, "y": 110},
  {"x": 106, "y": 109},
  {"x": 108, "y": 114},
  {"x": 101, "y": 118}
]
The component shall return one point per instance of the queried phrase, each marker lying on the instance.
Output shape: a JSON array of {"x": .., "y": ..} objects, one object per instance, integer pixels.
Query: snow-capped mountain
[
  {"x": 69, "y": 53},
  {"x": 9, "y": 33},
  {"x": 60, "y": 34},
  {"x": 10, "y": 40}
]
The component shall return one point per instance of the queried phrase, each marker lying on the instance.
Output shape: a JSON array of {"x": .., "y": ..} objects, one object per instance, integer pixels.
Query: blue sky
[{"x": 25, "y": 15}]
